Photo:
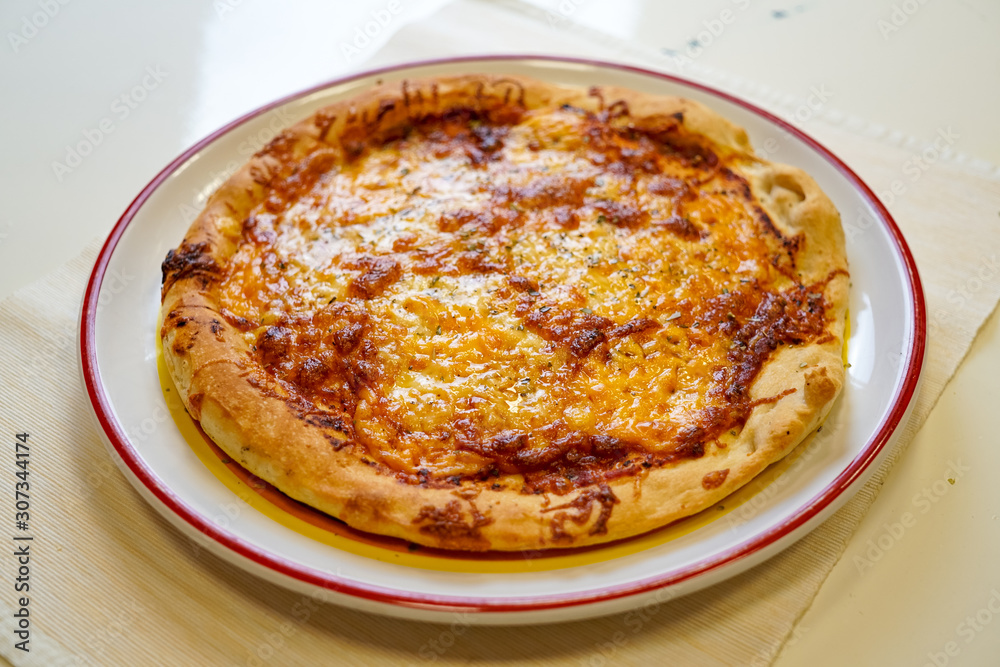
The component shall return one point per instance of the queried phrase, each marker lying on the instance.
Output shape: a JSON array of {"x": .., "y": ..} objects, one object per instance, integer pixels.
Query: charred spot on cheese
[
  {"x": 347, "y": 339},
  {"x": 546, "y": 300},
  {"x": 377, "y": 273},
  {"x": 174, "y": 319},
  {"x": 555, "y": 461},
  {"x": 240, "y": 323},
  {"x": 791, "y": 244},
  {"x": 633, "y": 326},
  {"x": 281, "y": 146},
  {"x": 477, "y": 262},
  {"x": 338, "y": 430},
  {"x": 311, "y": 373},
  {"x": 580, "y": 510},
  {"x": 335, "y": 423},
  {"x": 682, "y": 227},
  {"x": 621, "y": 214},
  {"x": 583, "y": 342},
  {"x": 183, "y": 335},
  {"x": 790, "y": 317},
  {"x": 215, "y": 326},
  {"x": 485, "y": 143},
  {"x": 522, "y": 283},
  {"x": 544, "y": 192},
  {"x": 273, "y": 344},
  {"x": 714, "y": 479},
  {"x": 580, "y": 332},
  {"x": 450, "y": 524},
  {"x": 452, "y": 221},
  {"x": 189, "y": 260},
  {"x": 669, "y": 186}
]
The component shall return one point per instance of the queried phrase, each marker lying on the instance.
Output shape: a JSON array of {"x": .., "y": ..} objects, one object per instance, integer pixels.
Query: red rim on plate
[{"x": 119, "y": 440}]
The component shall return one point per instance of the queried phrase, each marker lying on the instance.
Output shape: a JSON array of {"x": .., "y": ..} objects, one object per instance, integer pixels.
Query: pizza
[{"x": 491, "y": 313}]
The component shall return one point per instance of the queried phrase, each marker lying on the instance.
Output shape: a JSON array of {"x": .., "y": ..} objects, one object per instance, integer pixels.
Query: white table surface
[{"x": 140, "y": 82}]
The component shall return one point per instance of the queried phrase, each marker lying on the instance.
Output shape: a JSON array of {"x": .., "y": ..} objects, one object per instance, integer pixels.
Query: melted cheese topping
[{"x": 558, "y": 298}]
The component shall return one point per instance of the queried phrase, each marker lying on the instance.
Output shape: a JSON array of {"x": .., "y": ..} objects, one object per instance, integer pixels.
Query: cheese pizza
[{"x": 491, "y": 313}]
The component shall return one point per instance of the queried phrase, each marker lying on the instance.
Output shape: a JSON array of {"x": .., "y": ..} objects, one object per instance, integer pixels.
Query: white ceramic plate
[{"x": 118, "y": 344}]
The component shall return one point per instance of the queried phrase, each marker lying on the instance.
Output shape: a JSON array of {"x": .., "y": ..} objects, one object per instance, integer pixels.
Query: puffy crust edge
[{"x": 206, "y": 356}]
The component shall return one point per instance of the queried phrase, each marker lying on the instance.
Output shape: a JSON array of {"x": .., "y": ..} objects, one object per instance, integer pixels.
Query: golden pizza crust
[{"x": 207, "y": 357}]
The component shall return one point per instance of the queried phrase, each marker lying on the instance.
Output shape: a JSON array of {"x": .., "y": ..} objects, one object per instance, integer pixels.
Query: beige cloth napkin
[{"x": 114, "y": 583}]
